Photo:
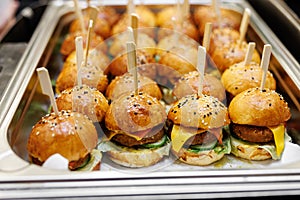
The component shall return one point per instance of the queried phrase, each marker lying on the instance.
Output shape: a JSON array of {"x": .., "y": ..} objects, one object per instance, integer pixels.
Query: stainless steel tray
[{"x": 19, "y": 179}]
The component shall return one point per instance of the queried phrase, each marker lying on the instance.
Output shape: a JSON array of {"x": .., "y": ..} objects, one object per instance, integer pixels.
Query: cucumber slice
[
  {"x": 204, "y": 147},
  {"x": 95, "y": 158},
  {"x": 157, "y": 144}
]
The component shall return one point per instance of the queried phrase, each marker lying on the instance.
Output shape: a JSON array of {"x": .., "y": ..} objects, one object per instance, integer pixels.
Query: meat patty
[
  {"x": 128, "y": 141},
  {"x": 73, "y": 165},
  {"x": 249, "y": 133},
  {"x": 201, "y": 138}
]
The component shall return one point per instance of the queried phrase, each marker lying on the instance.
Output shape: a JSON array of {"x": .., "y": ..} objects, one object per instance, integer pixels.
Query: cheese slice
[
  {"x": 138, "y": 136},
  {"x": 278, "y": 133},
  {"x": 180, "y": 135}
]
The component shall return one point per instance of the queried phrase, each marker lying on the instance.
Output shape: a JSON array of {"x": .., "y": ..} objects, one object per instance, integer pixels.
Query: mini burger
[
  {"x": 258, "y": 124},
  {"x": 70, "y": 134},
  {"x": 135, "y": 131},
  {"x": 83, "y": 99},
  {"x": 195, "y": 128},
  {"x": 189, "y": 83},
  {"x": 125, "y": 83},
  {"x": 240, "y": 77}
]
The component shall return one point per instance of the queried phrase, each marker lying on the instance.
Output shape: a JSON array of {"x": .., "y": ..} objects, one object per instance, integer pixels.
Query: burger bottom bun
[
  {"x": 249, "y": 152},
  {"x": 202, "y": 158},
  {"x": 138, "y": 158}
]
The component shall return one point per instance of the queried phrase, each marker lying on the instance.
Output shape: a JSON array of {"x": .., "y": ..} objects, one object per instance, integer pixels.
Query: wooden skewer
[
  {"x": 130, "y": 34},
  {"x": 265, "y": 63},
  {"x": 79, "y": 15},
  {"x": 186, "y": 9},
  {"x": 179, "y": 16},
  {"x": 88, "y": 41},
  {"x": 46, "y": 86},
  {"x": 93, "y": 13},
  {"x": 134, "y": 25},
  {"x": 216, "y": 7},
  {"x": 79, "y": 57},
  {"x": 130, "y": 7},
  {"x": 175, "y": 32},
  {"x": 200, "y": 67},
  {"x": 249, "y": 53},
  {"x": 244, "y": 25},
  {"x": 131, "y": 59},
  {"x": 206, "y": 36}
]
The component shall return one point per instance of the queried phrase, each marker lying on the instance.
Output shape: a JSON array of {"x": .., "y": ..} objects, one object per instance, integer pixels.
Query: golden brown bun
[
  {"x": 199, "y": 159},
  {"x": 165, "y": 15},
  {"x": 132, "y": 113},
  {"x": 222, "y": 37},
  {"x": 188, "y": 28},
  {"x": 204, "y": 14},
  {"x": 125, "y": 83},
  {"x": 204, "y": 112},
  {"x": 84, "y": 99},
  {"x": 249, "y": 152},
  {"x": 101, "y": 27},
  {"x": 176, "y": 57},
  {"x": 95, "y": 57},
  {"x": 228, "y": 55},
  {"x": 188, "y": 84},
  {"x": 68, "y": 45},
  {"x": 164, "y": 19},
  {"x": 146, "y": 20},
  {"x": 118, "y": 46},
  {"x": 259, "y": 108},
  {"x": 138, "y": 158},
  {"x": 145, "y": 64},
  {"x": 109, "y": 14},
  {"x": 70, "y": 134},
  {"x": 90, "y": 75},
  {"x": 239, "y": 77}
]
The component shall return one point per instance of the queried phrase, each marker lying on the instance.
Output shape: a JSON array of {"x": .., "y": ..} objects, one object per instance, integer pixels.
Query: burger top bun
[
  {"x": 188, "y": 84},
  {"x": 203, "y": 112},
  {"x": 125, "y": 83},
  {"x": 70, "y": 134},
  {"x": 132, "y": 113},
  {"x": 83, "y": 99},
  {"x": 259, "y": 108},
  {"x": 240, "y": 77}
]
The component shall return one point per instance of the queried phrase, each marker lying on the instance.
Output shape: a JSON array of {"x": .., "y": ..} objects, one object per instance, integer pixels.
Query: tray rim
[{"x": 25, "y": 172}]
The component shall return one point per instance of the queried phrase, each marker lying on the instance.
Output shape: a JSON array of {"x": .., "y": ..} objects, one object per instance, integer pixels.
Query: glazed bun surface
[
  {"x": 259, "y": 108},
  {"x": 222, "y": 36},
  {"x": 68, "y": 45},
  {"x": 145, "y": 64},
  {"x": 188, "y": 84},
  {"x": 240, "y": 77},
  {"x": 90, "y": 75},
  {"x": 101, "y": 27},
  {"x": 227, "y": 55},
  {"x": 84, "y": 99},
  {"x": 204, "y": 112},
  {"x": 70, "y": 134},
  {"x": 118, "y": 46},
  {"x": 95, "y": 57},
  {"x": 132, "y": 113},
  {"x": 125, "y": 83}
]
